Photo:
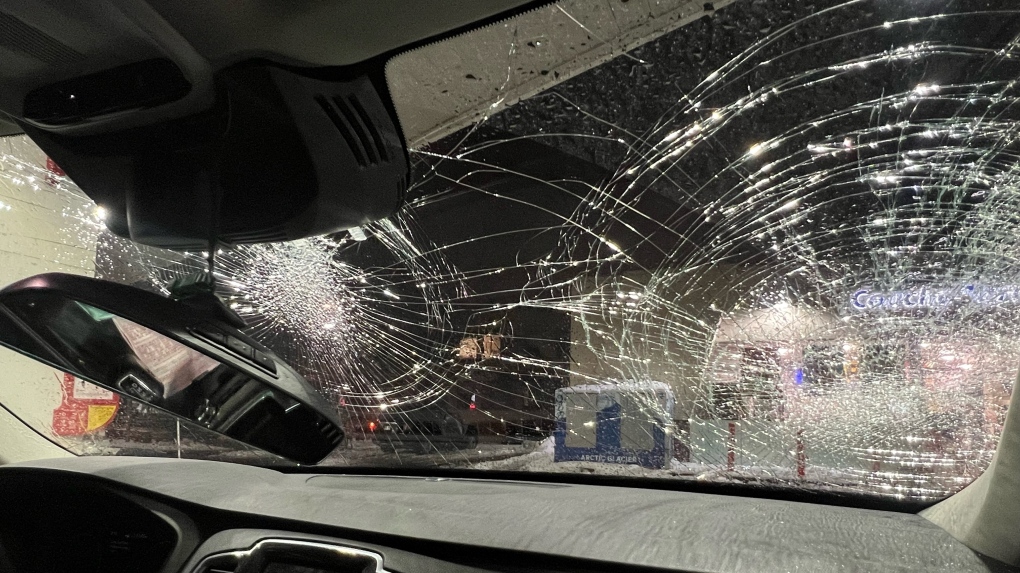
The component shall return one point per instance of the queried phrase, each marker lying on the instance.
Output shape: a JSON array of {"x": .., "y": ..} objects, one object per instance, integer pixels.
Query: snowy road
[{"x": 368, "y": 454}]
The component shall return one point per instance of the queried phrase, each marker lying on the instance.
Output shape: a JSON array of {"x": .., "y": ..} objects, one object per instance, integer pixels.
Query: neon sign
[{"x": 926, "y": 297}]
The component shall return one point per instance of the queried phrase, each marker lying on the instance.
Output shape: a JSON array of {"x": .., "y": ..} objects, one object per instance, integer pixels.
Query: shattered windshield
[{"x": 769, "y": 241}]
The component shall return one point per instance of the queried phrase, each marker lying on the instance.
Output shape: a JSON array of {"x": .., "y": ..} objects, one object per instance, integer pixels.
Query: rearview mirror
[{"x": 171, "y": 355}]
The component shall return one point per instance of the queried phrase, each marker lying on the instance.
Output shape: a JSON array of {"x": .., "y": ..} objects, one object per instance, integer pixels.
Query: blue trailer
[{"x": 614, "y": 423}]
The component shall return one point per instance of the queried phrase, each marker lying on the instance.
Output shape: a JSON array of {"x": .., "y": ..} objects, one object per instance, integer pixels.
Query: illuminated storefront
[{"x": 913, "y": 382}]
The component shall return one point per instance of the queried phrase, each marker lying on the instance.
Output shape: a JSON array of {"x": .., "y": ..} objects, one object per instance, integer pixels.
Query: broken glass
[{"x": 795, "y": 223}]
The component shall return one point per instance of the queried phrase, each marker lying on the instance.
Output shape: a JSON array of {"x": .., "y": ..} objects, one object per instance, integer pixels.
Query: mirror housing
[
  {"x": 278, "y": 155},
  {"x": 172, "y": 356}
]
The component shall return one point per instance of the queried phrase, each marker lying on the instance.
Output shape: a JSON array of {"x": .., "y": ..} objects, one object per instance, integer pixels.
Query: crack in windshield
[{"x": 775, "y": 245}]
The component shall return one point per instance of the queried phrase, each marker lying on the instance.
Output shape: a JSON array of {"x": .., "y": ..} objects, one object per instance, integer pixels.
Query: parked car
[{"x": 424, "y": 430}]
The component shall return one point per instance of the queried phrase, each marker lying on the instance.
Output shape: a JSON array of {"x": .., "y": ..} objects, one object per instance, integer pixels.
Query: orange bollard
[
  {"x": 801, "y": 458},
  {"x": 731, "y": 447}
]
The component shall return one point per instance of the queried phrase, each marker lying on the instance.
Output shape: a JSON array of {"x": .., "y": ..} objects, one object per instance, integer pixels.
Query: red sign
[
  {"x": 84, "y": 407},
  {"x": 53, "y": 171}
]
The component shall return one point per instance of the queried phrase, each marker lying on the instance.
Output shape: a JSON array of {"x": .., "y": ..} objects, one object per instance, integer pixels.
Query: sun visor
[{"x": 94, "y": 67}]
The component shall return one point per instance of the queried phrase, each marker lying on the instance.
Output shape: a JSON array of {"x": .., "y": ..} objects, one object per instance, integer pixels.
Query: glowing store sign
[{"x": 926, "y": 297}]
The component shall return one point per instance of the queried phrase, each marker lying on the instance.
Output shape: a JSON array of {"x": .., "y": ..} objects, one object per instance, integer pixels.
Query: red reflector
[
  {"x": 472, "y": 406},
  {"x": 371, "y": 426}
]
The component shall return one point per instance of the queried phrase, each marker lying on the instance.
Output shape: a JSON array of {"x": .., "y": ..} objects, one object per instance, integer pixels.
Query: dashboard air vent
[
  {"x": 330, "y": 432},
  {"x": 293, "y": 555},
  {"x": 220, "y": 564}
]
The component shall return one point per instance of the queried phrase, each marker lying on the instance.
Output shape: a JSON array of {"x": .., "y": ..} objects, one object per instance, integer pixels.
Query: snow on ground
[{"x": 541, "y": 460}]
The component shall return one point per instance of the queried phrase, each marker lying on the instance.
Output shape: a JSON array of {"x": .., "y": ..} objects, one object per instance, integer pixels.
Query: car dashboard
[{"x": 160, "y": 516}]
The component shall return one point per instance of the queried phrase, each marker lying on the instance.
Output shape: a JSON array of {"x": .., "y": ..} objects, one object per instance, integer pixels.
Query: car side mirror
[{"x": 171, "y": 355}]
